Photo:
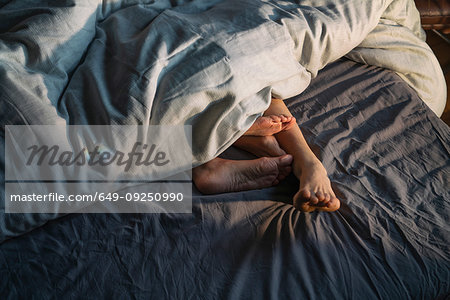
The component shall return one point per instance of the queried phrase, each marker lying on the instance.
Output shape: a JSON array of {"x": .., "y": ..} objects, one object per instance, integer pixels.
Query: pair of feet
[{"x": 221, "y": 175}]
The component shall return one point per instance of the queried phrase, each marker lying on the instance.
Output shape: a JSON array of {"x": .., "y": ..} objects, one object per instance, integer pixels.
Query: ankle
[{"x": 311, "y": 163}]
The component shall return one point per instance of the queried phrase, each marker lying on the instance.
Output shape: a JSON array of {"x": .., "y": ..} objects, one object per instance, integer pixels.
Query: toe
[
  {"x": 314, "y": 200},
  {"x": 289, "y": 124},
  {"x": 320, "y": 196},
  {"x": 304, "y": 196},
  {"x": 323, "y": 200},
  {"x": 276, "y": 119},
  {"x": 301, "y": 201},
  {"x": 305, "y": 207},
  {"x": 286, "y": 171},
  {"x": 333, "y": 205},
  {"x": 285, "y": 160}
]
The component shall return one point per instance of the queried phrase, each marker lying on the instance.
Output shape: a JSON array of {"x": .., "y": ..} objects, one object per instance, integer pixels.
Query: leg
[
  {"x": 315, "y": 190},
  {"x": 222, "y": 175}
]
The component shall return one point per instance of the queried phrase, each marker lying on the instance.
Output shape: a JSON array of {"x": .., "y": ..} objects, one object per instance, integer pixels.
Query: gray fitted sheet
[{"x": 387, "y": 156}]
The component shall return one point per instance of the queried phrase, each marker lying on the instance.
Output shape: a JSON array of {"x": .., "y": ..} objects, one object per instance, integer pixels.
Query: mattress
[{"x": 387, "y": 155}]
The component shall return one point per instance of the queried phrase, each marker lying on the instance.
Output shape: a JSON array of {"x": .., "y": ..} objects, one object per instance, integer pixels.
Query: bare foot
[
  {"x": 260, "y": 146},
  {"x": 315, "y": 191},
  {"x": 222, "y": 175},
  {"x": 270, "y": 125}
]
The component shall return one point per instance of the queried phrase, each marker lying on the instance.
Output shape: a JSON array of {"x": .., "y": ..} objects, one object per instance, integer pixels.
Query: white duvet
[{"x": 212, "y": 64}]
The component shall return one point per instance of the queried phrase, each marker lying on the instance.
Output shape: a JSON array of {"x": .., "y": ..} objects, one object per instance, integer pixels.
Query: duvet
[
  {"x": 210, "y": 64},
  {"x": 371, "y": 117}
]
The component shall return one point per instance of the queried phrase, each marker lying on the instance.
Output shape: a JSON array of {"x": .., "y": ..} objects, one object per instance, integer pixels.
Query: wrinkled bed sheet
[
  {"x": 387, "y": 155},
  {"x": 215, "y": 65},
  {"x": 210, "y": 64}
]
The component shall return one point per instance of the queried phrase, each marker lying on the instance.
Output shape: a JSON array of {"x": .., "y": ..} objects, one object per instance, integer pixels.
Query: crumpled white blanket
[{"x": 211, "y": 64}]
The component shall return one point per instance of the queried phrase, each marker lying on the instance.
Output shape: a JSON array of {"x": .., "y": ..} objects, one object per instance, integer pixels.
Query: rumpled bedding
[
  {"x": 210, "y": 64},
  {"x": 215, "y": 65},
  {"x": 387, "y": 155}
]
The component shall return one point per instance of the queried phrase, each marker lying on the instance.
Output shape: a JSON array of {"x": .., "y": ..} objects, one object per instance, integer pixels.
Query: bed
[{"x": 387, "y": 155}]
